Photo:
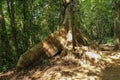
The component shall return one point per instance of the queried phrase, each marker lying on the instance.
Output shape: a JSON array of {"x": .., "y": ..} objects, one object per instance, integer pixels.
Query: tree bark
[
  {"x": 117, "y": 26},
  {"x": 69, "y": 21},
  {"x": 5, "y": 45},
  {"x": 49, "y": 47},
  {"x": 25, "y": 43},
  {"x": 117, "y": 29},
  {"x": 10, "y": 5},
  {"x": 31, "y": 12}
]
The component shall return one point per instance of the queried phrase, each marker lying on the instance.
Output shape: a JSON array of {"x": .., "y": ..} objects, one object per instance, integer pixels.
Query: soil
[
  {"x": 111, "y": 73},
  {"x": 69, "y": 66}
]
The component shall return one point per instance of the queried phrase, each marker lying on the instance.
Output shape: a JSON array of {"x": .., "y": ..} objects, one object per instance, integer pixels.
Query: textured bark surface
[
  {"x": 48, "y": 47},
  {"x": 117, "y": 26},
  {"x": 11, "y": 12}
]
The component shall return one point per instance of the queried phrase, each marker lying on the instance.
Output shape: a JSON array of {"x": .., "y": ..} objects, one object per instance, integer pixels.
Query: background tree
[
  {"x": 5, "y": 47},
  {"x": 11, "y": 11},
  {"x": 117, "y": 24}
]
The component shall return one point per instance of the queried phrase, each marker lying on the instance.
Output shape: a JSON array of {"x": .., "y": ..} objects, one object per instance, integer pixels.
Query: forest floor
[{"x": 72, "y": 67}]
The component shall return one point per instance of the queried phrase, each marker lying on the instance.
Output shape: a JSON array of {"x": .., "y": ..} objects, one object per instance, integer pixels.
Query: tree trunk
[
  {"x": 25, "y": 42},
  {"x": 27, "y": 22},
  {"x": 117, "y": 29},
  {"x": 49, "y": 47},
  {"x": 5, "y": 45},
  {"x": 117, "y": 26},
  {"x": 31, "y": 20},
  {"x": 31, "y": 12},
  {"x": 10, "y": 5},
  {"x": 69, "y": 22}
]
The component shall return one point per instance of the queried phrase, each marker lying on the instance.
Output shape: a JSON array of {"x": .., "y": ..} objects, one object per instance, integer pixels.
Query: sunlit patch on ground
[
  {"x": 71, "y": 65},
  {"x": 111, "y": 73},
  {"x": 74, "y": 73},
  {"x": 84, "y": 70}
]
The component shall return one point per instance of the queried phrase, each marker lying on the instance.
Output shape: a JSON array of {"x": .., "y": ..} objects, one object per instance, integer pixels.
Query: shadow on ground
[{"x": 68, "y": 67}]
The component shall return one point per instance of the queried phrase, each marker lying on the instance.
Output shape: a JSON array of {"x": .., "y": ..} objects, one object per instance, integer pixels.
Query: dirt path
[
  {"x": 71, "y": 68},
  {"x": 111, "y": 73}
]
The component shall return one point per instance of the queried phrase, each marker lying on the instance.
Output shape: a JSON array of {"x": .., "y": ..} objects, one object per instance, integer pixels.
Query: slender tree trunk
[
  {"x": 117, "y": 29},
  {"x": 25, "y": 26},
  {"x": 72, "y": 25},
  {"x": 6, "y": 48},
  {"x": 31, "y": 12},
  {"x": 10, "y": 4},
  {"x": 3, "y": 28},
  {"x": 117, "y": 26},
  {"x": 31, "y": 18},
  {"x": 69, "y": 21}
]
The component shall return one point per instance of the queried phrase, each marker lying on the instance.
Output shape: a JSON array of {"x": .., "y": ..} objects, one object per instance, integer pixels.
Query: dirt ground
[
  {"x": 72, "y": 67},
  {"x": 111, "y": 73}
]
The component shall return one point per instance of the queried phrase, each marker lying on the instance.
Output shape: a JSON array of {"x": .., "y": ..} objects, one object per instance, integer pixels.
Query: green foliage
[
  {"x": 97, "y": 18},
  {"x": 108, "y": 40}
]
